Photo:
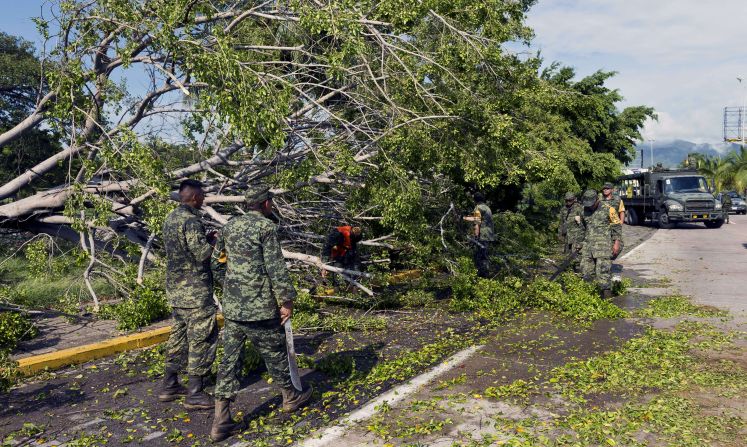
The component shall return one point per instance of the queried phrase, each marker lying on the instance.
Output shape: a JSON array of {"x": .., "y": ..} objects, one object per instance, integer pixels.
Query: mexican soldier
[
  {"x": 601, "y": 242},
  {"x": 614, "y": 200},
  {"x": 189, "y": 289},
  {"x": 257, "y": 300},
  {"x": 617, "y": 204},
  {"x": 726, "y": 205},
  {"x": 570, "y": 225},
  {"x": 484, "y": 234}
]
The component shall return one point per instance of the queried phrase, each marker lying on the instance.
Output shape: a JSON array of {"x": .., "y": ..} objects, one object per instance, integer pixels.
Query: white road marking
[
  {"x": 154, "y": 435},
  {"x": 86, "y": 424},
  {"x": 391, "y": 397},
  {"x": 635, "y": 249}
]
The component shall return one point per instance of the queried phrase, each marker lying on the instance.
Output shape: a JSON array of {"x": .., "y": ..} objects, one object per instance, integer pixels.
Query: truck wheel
[
  {"x": 714, "y": 223},
  {"x": 664, "y": 222},
  {"x": 631, "y": 217}
]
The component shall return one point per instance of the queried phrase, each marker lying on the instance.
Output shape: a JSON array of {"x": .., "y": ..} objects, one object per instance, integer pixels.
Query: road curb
[{"x": 81, "y": 354}]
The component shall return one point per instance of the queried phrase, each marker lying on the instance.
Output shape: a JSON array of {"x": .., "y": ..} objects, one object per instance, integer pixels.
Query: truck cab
[{"x": 668, "y": 197}]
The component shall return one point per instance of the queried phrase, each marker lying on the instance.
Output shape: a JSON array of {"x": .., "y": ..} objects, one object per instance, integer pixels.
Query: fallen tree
[{"x": 379, "y": 114}]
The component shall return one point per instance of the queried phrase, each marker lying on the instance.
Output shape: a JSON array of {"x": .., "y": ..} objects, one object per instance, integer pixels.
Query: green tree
[{"x": 21, "y": 85}]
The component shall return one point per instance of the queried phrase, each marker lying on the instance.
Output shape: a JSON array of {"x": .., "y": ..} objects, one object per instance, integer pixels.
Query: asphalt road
[{"x": 709, "y": 265}]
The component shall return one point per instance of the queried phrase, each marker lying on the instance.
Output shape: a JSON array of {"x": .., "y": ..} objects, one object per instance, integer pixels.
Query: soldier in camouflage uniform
[
  {"x": 601, "y": 242},
  {"x": 257, "y": 299},
  {"x": 609, "y": 196},
  {"x": 484, "y": 234},
  {"x": 189, "y": 289},
  {"x": 570, "y": 224},
  {"x": 726, "y": 205}
]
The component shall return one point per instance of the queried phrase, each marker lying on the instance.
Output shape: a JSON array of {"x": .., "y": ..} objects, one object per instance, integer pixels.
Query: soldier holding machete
[{"x": 257, "y": 305}]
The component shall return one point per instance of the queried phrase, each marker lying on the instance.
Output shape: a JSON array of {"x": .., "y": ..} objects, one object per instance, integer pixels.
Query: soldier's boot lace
[
  {"x": 223, "y": 424},
  {"x": 294, "y": 399},
  {"x": 171, "y": 389},
  {"x": 197, "y": 398},
  {"x": 607, "y": 294}
]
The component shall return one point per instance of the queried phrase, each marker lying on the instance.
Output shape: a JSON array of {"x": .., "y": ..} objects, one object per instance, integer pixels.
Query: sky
[{"x": 681, "y": 57}]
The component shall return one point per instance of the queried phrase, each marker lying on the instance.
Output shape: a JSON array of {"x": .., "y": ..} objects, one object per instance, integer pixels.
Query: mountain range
[{"x": 672, "y": 153}]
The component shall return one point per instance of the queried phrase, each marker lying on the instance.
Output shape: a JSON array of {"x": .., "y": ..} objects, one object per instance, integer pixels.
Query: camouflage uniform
[
  {"x": 619, "y": 206},
  {"x": 486, "y": 239},
  {"x": 726, "y": 205},
  {"x": 256, "y": 284},
  {"x": 189, "y": 290},
  {"x": 571, "y": 229},
  {"x": 603, "y": 227}
]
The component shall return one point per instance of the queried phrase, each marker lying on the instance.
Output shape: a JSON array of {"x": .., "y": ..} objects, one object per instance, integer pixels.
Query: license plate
[{"x": 700, "y": 216}]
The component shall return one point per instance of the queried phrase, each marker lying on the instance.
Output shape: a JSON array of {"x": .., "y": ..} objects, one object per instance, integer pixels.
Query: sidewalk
[{"x": 58, "y": 333}]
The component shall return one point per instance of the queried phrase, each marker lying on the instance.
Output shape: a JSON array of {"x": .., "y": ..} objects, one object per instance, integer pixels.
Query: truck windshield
[{"x": 685, "y": 184}]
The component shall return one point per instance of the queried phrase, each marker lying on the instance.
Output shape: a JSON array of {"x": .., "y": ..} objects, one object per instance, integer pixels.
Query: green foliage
[
  {"x": 146, "y": 304},
  {"x": 500, "y": 298},
  {"x": 517, "y": 389},
  {"x": 15, "y": 327},
  {"x": 336, "y": 365},
  {"x": 723, "y": 173},
  {"x": 417, "y": 298},
  {"x": 338, "y": 322},
  {"x": 675, "y": 306},
  {"x": 37, "y": 255},
  {"x": 20, "y": 87},
  {"x": 8, "y": 370},
  {"x": 657, "y": 360}
]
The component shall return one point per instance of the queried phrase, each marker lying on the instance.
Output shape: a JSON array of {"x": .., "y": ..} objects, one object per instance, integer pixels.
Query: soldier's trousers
[
  {"x": 268, "y": 336},
  {"x": 481, "y": 255},
  {"x": 596, "y": 266},
  {"x": 193, "y": 340}
]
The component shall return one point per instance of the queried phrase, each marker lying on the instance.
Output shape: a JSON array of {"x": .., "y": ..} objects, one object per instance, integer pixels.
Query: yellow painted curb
[{"x": 82, "y": 354}]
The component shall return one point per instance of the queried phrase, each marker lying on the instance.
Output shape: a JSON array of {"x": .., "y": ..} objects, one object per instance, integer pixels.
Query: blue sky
[{"x": 681, "y": 57}]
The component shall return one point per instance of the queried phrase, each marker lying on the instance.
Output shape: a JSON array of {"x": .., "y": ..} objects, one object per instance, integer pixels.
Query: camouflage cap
[
  {"x": 590, "y": 197},
  {"x": 257, "y": 194},
  {"x": 570, "y": 196},
  {"x": 608, "y": 185}
]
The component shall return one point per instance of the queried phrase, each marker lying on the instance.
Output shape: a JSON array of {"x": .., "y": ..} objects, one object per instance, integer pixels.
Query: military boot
[
  {"x": 294, "y": 399},
  {"x": 607, "y": 294},
  {"x": 171, "y": 389},
  {"x": 223, "y": 425},
  {"x": 197, "y": 398}
]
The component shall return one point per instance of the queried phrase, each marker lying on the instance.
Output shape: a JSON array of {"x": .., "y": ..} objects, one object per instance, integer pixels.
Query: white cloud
[{"x": 680, "y": 56}]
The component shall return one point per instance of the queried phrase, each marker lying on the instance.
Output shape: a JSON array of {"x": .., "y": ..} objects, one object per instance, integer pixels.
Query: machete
[
  {"x": 565, "y": 264},
  {"x": 295, "y": 378}
]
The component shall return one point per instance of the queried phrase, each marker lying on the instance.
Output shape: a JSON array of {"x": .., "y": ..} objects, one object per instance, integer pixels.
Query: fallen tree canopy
[{"x": 383, "y": 114}]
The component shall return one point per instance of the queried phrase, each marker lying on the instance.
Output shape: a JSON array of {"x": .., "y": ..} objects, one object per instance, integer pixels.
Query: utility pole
[
  {"x": 651, "y": 149},
  {"x": 742, "y": 112}
]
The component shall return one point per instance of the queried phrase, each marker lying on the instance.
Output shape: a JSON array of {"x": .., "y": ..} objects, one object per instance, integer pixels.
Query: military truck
[{"x": 668, "y": 197}]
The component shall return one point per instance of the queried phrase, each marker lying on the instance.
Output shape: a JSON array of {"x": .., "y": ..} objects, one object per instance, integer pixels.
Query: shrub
[
  {"x": 336, "y": 365},
  {"x": 495, "y": 298},
  {"x": 8, "y": 371},
  {"x": 417, "y": 298},
  {"x": 15, "y": 327},
  {"x": 144, "y": 306}
]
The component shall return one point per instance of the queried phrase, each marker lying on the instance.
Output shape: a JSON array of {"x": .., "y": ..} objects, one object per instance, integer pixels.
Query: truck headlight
[
  {"x": 674, "y": 206},
  {"x": 717, "y": 206}
]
